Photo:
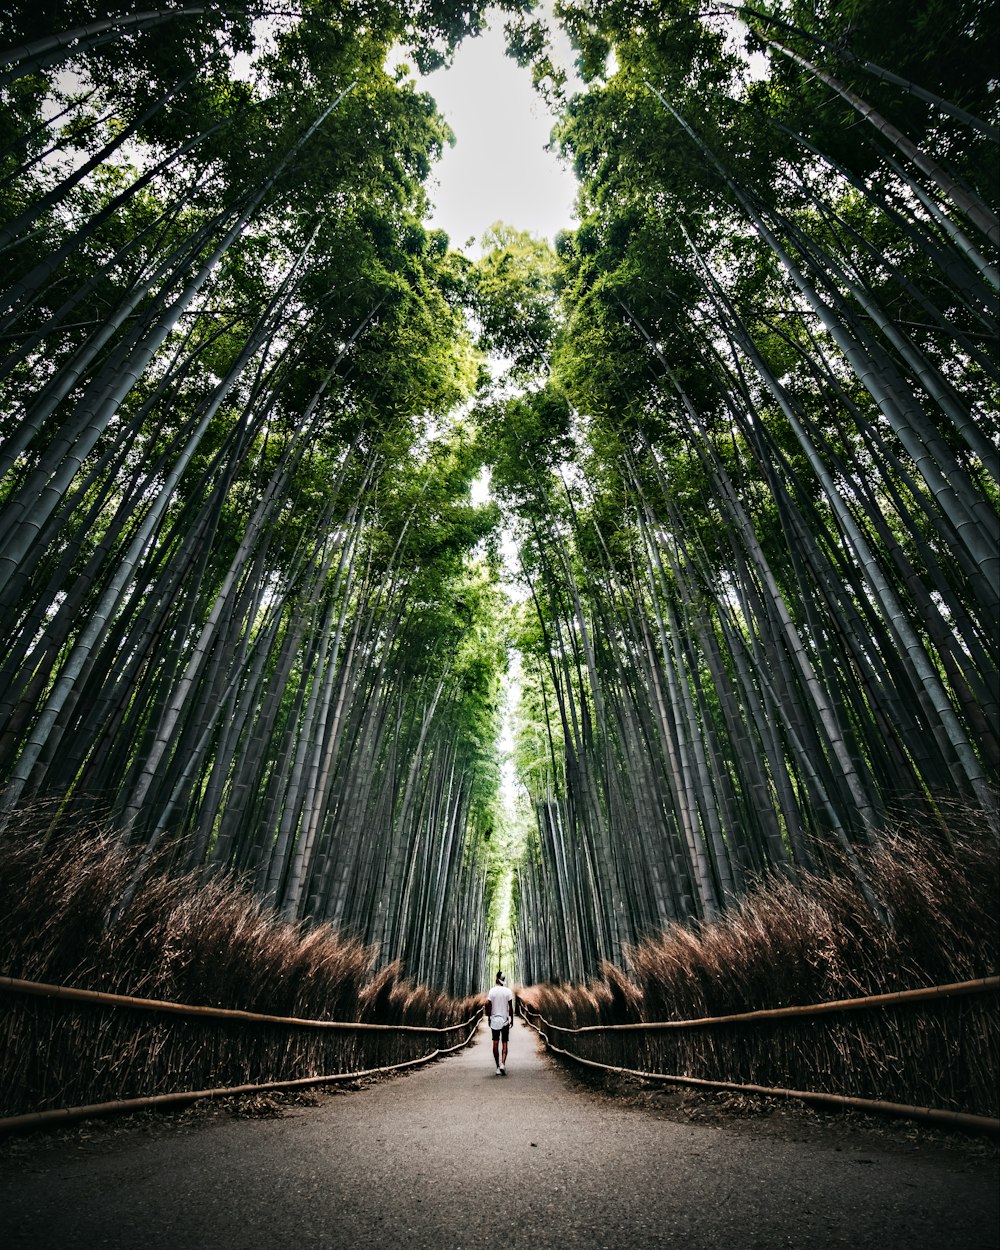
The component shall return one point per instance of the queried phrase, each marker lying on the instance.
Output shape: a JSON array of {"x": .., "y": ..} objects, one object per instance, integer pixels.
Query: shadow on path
[{"x": 453, "y": 1157}]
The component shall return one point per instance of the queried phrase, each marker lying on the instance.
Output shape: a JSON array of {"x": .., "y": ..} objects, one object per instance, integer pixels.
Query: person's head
[{"x": 501, "y": 979}]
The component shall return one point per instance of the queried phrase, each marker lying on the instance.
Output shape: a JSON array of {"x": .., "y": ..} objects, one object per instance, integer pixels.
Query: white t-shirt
[{"x": 501, "y": 1006}]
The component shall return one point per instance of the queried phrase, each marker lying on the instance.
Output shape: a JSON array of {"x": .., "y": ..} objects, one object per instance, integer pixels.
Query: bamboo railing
[
  {"x": 938, "y": 1115},
  {"x": 65, "y": 1115},
  {"x": 41, "y": 990}
]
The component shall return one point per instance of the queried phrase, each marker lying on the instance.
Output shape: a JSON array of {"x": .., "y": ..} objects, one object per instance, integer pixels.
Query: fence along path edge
[
  {"x": 41, "y": 990},
  {"x": 938, "y": 1115},
  {"x": 67, "y": 1115},
  {"x": 956, "y": 989}
]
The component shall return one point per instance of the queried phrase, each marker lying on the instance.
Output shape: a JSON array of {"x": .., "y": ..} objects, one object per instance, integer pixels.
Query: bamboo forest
[{"x": 527, "y": 603}]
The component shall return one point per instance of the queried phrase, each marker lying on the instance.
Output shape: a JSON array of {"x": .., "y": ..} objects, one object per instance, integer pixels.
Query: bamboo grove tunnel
[{"x": 500, "y": 608}]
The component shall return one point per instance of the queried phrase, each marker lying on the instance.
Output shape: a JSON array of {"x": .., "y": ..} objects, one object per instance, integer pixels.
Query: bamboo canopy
[{"x": 743, "y": 454}]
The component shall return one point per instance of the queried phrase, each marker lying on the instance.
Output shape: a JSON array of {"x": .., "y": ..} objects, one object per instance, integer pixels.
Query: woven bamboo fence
[
  {"x": 133, "y": 1052},
  {"x": 929, "y": 1053}
]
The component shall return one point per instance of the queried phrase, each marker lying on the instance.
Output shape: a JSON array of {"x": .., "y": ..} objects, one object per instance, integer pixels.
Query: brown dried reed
[
  {"x": 789, "y": 944},
  {"x": 206, "y": 943}
]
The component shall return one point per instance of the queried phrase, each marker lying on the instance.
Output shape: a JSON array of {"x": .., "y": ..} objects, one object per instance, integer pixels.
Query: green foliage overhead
[{"x": 738, "y": 427}]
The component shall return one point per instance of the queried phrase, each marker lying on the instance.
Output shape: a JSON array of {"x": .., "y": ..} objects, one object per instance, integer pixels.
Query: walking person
[{"x": 500, "y": 1009}]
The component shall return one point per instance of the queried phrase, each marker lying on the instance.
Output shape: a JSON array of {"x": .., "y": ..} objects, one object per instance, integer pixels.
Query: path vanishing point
[{"x": 453, "y": 1157}]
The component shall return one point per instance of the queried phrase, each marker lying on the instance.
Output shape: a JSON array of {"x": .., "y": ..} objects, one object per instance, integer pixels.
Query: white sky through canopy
[{"x": 498, "y": 169}]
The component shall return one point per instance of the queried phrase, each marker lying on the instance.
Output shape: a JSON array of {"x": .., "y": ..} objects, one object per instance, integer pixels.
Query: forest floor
[{"x": 453, "y": 1158}]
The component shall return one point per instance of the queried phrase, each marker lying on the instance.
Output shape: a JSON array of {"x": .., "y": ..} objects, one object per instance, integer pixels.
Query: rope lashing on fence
[
  {"x": 956, "y": 989},
  {"x": 67, "y": 1115},
  {"x": 39, "y": 989},
  {"x": 936, "y": 1115}
]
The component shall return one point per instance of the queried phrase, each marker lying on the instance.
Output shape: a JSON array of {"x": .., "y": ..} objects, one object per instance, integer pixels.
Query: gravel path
[{"x": 453, "y": 1157}]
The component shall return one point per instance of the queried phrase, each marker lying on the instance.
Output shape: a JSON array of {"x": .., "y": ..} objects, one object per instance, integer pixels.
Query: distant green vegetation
[
  {"x": 248, "y": 607},
  {"x": 740, "y": 427},
  {"x": 755, "y": 477}
]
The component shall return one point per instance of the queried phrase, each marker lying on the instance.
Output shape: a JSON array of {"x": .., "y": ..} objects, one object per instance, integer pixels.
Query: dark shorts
[{"x": 501, "y": 1035}]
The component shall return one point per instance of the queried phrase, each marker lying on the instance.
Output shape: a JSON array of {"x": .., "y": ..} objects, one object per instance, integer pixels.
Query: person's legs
[{"x": 496, "y": 1048}]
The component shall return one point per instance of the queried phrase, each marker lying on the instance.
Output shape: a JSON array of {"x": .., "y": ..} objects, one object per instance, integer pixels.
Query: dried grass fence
[
  {"x": 757, "y": 999},
  {"x": 727, "y": 1044},
  {"x": 323, "y": 1049},
  {"x": 181, "y": 941}
]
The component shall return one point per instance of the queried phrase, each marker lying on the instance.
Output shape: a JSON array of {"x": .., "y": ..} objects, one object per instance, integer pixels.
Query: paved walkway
[{"x": 453, "y": 1157}]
